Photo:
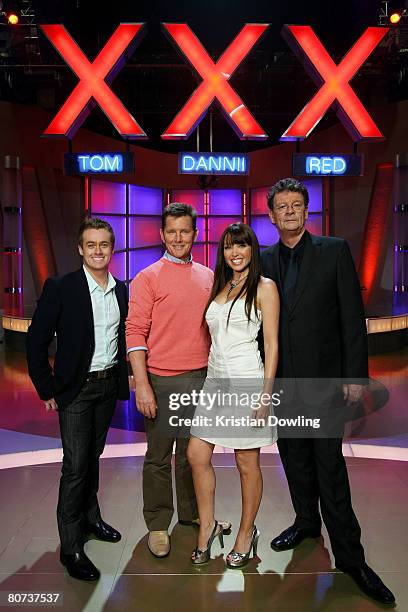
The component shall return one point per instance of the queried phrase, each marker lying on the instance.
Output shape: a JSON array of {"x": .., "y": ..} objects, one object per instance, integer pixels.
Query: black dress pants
[
  {"x": 84, "y": 426},
  {"x": 316, "y": 471}
]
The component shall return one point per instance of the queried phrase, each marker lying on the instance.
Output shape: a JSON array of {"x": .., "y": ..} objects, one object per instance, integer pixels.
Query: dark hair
[
  {"x": 237, "y": 233},
  {"x": 177, "y": 209},
  {"x": 287, "y": 184},
  {"x": 95, "y": 223}
]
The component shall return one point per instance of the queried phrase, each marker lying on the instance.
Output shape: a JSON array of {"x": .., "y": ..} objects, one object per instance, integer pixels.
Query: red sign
[
  {"x": 333, "y": 80},
  {"x": 93, "y": 85},
  {"x": 215, "y": 82}
]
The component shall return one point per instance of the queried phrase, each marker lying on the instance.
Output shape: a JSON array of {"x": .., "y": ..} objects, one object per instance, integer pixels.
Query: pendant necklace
[{"x": 234, "y": 284}]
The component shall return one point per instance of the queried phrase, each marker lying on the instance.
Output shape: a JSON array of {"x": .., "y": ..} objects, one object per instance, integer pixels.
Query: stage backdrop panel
[
  {"x": 108, "y": 197},
  {"x": 145, "y": 200},
  {"x": 135, "y": 215}
]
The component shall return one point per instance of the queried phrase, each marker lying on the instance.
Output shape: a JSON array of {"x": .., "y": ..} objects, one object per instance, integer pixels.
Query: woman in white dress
[{"x": 241, "y": 299}]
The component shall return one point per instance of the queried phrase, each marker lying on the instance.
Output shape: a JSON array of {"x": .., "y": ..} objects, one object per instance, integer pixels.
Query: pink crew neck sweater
[{"x": 166, "y": 306}]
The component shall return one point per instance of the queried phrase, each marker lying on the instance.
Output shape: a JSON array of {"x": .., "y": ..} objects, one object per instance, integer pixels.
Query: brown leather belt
[{"x": 101, "y": 374}]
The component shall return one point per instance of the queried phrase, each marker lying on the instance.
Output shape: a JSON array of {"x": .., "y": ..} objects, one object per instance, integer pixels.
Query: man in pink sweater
[{"x": 168, "y": 348}]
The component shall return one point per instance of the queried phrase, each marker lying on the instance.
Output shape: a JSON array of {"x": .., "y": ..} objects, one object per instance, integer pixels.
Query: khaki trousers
[{"x": 157, "y": 473}]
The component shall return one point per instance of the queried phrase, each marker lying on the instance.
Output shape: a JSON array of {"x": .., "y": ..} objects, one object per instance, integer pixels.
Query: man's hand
[
  {"x": 51, "y": 404},
  {"x": 145, "y": 400},
  {"x": 352, "y": 393}
]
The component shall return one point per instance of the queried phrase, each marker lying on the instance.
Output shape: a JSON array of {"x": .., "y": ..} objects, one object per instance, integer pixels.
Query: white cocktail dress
[{"x": 234, "y": 381}]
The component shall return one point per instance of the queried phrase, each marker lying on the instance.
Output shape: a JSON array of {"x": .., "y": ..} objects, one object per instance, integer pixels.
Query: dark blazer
[
  {"x": 65, "y": 307},
  {"x": 323, "y": 334}
]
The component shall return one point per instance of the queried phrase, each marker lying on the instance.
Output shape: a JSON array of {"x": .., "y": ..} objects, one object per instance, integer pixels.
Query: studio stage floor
[{"x": 300, "y": 580}]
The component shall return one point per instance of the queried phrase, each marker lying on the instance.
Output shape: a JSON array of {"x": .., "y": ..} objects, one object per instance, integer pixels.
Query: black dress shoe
[
  {"x": 369, "y": 582},
  {"x": 79, "y": 566},
  {"x": 104, "y": 532},
  {"x": 291, "y": 537}
]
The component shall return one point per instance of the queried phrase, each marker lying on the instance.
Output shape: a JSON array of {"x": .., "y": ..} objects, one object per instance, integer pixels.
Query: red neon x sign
[
  {"x": 334, "y": 81},
  {"x": 215, "y": 82},
  {"x": 94, "y": 78}
]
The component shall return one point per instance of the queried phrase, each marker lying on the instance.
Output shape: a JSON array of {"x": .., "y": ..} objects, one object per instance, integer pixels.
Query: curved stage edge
[
  {"x": 385, "y": 334},
  {"x": 138, "y": 449}
]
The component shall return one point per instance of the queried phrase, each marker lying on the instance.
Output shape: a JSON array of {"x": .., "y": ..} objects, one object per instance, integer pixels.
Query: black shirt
[{"x": 285, "y": 253}]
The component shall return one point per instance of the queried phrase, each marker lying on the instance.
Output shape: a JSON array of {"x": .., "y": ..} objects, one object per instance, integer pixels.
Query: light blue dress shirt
[
  {"x": 106, "y": 316},
  {"x": 177, "y": 259}
]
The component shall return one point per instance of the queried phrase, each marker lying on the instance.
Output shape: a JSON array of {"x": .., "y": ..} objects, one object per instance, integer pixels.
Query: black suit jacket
[
  {"x": 323, "y": 334},
  {"x": 65, "y": 308}
]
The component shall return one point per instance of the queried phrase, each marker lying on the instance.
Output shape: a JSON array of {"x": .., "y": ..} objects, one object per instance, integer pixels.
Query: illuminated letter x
[
  {"x": 215, "y": 82},
  {"x": 334, "y": 81},
  {"x": 94, "y": 78}
]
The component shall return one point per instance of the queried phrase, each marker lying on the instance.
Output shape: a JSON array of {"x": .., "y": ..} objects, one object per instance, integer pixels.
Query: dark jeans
[
  {"x": 157, "y": 481},
  {"x": 84, "y": 426},
  {"x": 316, "y": 471}
]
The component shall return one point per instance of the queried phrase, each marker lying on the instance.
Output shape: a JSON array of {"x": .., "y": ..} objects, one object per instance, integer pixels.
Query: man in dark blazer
[
  {"x": 322, "y": 336},
  {"x": 86, "y": 310}
]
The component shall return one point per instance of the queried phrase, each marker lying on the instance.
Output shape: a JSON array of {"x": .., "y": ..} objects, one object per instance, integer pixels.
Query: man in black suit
[
  {"x": 86, "y": 310},
  {"x": 322, "y": 336}
]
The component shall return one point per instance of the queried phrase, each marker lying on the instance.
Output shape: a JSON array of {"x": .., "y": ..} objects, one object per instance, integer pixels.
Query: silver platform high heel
[
  {"x": 236, "y": 560},
  {"x": 203, "y": 556}
]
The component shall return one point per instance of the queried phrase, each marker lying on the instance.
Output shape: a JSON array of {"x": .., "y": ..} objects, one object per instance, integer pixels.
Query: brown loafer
[{"x": 159, "y": 543}]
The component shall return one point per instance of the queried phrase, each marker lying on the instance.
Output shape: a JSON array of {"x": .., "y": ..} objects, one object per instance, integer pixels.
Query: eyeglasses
[{"x": 296, "y": 206}]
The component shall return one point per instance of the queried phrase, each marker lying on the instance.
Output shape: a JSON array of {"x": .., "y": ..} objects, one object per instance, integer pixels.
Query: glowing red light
[
  {"x": 86, "y": 195},
  {"x": 93, "y": 85},
  {"x": 373, "y": 246},
  {"x": 215, "y": 82},
  {"x": 334, "y": 82}
]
